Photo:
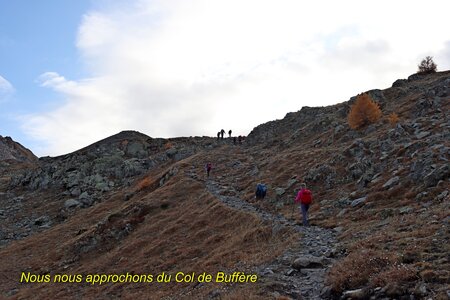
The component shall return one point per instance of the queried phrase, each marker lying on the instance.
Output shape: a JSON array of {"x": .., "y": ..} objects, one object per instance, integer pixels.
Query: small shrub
[
  {"x": 363, "y": 112},
  {"x": 168, "y": 145},
  {"x": 427, "y": 66},
  {"x": 144, "y": 183},
  {"x": 357, "y": 269},
  {"x": 429, "y": 276},
  {"x": 393, "y": 119},
  {"x": 397, "y": 273}
]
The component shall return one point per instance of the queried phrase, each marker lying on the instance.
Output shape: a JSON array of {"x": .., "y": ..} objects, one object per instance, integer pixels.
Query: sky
[{"x": 75, "y": 72}]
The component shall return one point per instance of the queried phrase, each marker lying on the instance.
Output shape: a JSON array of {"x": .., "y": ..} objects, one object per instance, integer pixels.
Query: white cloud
[
  {"x": 6, "y": 89},
  {"x": 173, "y": 68},
  {"x": 443, "y": 57}
]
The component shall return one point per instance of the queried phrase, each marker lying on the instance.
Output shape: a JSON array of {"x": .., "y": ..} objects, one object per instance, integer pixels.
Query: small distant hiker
[
  {"x": 261, "y": 191},
  {"x": 222, "y": 132},
  {"x": 208, "y": 168},
  {"x": 218, "y": 135},
  {"x": 304, "y": 197},
  {"x": 229, "y": 133}
]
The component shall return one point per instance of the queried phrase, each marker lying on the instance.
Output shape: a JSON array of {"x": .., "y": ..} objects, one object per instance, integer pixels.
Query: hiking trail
[{"x": 300, "y": 271}]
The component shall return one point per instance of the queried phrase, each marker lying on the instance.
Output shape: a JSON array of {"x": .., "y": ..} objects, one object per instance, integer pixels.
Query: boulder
[
  {"x": 41, "y": 221},
  {"x": 341, "y": 213},
  {"x": 291, "y": 182},
  {"x": 102, "y": 186},
  {"x": 75, "y": 192},
  {"x": 422, "y": 135},
  {"x": 86, "y": 199},
  {"x": 128, "y": 196},
  {"x": 71, "y": 203},
  {"x": 72, "y": 180},
  {"x": 391, "y": 182},
  {"x": 432, "y": 178},
  {"x": 308, "y": 262},
  {"x": 171, "y": 152},
  {"x": 280, "y": 192},
  {"x": 442, "y": 195},
  {"x": 405, "y": 210},
  {"x": 358, "y": 201},
  {"x": 355, "y": 294},
  {"x": 338, "y": 129}
]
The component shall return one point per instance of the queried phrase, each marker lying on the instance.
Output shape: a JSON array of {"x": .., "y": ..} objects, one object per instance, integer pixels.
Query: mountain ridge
[{"x": 133, "y": 203}]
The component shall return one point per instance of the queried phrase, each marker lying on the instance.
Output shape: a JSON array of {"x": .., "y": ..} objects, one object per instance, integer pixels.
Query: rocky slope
[
  {"x": 13, "y": 156},
  {"x": 131, "y": 203},
  {"x": 386, "y": 187},
  {"x": 13, "y": 151},
  {"x": 85, "y": 177}
]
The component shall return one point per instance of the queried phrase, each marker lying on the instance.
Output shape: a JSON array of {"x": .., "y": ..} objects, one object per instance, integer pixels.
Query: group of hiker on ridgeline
[
  {"x": 303, "y": 198},
  {"x": 236, "y": 140}
]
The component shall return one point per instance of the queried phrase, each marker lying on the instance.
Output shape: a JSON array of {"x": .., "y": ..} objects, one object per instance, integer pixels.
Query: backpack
[
  {"x": 261, "y": 190},
  {"x": 306, "y": 197}
]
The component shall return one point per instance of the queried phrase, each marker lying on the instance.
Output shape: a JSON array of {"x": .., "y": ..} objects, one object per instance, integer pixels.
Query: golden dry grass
[{"x": 184, "y": 229}]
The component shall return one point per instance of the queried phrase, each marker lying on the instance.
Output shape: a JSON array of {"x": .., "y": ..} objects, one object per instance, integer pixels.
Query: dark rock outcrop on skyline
[{"x": 13, "y": 151}]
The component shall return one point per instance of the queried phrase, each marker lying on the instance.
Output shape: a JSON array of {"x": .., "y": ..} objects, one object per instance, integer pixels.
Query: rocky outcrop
[
  {"x": 13, "y": 151},
  {"x": 107, "y": 164}
]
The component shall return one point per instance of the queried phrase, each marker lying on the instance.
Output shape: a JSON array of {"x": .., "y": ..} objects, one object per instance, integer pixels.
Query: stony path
[{"x": 300, "y": 271}]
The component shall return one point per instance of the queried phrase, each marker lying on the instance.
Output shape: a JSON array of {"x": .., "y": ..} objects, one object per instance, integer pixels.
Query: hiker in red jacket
[
  {"x": 208, "y": 168},
  {"x": 304, "y": 197}
]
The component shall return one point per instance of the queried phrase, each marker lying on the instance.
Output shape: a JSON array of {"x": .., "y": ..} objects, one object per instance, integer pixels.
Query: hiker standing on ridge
[
  {"x": 222, "y": 132},
  {"x": 229, "y": 133},
  {"x": 304, "y": 197},
  {"x": 218, "y": 135},
  {"x": 208, "y": 168}
]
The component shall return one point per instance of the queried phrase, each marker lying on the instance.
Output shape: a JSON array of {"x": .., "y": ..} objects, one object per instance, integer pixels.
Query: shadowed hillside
[{"x": 135, "y": 204}]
